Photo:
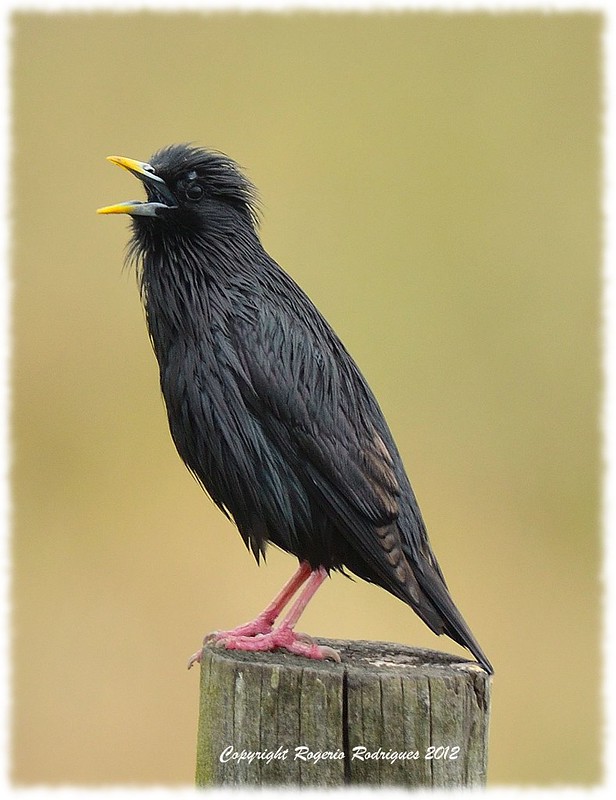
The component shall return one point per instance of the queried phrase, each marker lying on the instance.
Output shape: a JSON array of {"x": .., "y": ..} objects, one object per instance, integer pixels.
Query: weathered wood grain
[{"x": 277, "y": 719}]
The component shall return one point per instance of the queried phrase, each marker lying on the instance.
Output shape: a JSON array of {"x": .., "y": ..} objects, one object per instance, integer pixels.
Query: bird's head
[{"x": 188, "y": 187}]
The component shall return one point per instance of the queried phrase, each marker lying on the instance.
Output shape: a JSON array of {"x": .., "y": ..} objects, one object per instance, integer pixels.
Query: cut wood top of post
[{"x": 378, "y": 657}]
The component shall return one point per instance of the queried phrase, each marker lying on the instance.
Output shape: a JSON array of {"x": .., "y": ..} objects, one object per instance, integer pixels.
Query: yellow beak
[
  {"x": 138, "y": 167},
  {"x": 147, "y": 175},
  {"x": 119, "y": 208}
]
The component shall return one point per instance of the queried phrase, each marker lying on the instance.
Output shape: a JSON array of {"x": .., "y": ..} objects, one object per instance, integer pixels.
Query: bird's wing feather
[
  {"x": 304, "y": 388},
  {"x": 300, "y": 385}
]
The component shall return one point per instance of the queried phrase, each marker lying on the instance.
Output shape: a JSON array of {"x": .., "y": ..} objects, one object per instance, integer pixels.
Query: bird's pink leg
[
  {"x": 284, "y": 636},
  {"x": 264, "y": 621},
  {"x": 297, "y": 609}
]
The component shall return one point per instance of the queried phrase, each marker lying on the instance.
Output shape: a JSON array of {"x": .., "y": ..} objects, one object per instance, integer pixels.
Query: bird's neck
[{"x": 191, "y": 283}]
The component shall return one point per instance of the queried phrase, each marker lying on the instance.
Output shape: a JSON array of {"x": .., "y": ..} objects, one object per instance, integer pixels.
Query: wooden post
[{"x": 387, "y": 715}]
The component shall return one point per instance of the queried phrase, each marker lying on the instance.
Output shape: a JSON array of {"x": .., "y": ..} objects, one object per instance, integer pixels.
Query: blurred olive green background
[{"x": 433, "y": 181}]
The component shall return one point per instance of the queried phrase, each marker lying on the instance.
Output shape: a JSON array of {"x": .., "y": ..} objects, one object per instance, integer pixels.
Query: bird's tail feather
[{"x": 453, "y": 624}]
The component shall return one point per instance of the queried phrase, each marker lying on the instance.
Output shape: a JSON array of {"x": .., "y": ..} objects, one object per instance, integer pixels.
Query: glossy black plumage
[{"x": 265, "y": 405}]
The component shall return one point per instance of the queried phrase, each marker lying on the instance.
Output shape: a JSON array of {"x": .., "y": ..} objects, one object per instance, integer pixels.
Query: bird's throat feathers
[{"x": 183, "y": 273}]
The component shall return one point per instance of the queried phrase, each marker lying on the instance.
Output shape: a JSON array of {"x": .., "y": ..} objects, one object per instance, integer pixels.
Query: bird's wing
[
  {"x": 307, "y": 393},
  {"x": 299, "y": 389}
]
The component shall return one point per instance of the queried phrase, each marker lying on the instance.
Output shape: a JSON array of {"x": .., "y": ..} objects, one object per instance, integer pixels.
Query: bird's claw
[
  {"x": 195, "y": 658},
  {"x": 209, "y": 638},
  {"x": 330, "y": 653},
  {"x": 326, "y": 652}
]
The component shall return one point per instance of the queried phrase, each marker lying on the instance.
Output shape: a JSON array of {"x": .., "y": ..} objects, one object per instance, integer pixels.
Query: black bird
[{"x": 267, "y": 408}]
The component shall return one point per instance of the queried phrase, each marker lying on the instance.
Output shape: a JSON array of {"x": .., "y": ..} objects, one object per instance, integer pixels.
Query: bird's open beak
[{"x": 147, "y": 175}]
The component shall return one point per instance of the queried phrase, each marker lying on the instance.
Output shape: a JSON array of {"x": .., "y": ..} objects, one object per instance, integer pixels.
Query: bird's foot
[
  {"x": 253, "y": 628},
  {"x": 256, "y": 627},
  {"x": 282, "y": 637}
]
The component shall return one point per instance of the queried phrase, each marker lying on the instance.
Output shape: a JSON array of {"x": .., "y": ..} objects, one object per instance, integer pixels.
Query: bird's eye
[{"x": 194, "y": 191}]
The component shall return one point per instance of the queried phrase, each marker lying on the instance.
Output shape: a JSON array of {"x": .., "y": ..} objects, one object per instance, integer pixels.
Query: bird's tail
[{"x": 452, "y": 622}]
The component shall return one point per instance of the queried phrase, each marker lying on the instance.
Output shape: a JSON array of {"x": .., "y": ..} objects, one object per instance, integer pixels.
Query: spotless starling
[{"x": 267, "y": 408}]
